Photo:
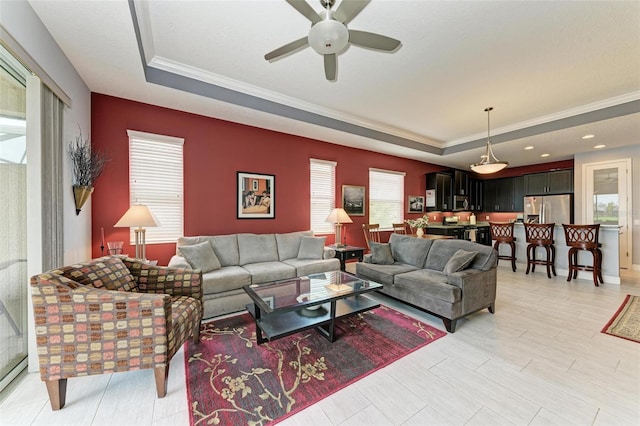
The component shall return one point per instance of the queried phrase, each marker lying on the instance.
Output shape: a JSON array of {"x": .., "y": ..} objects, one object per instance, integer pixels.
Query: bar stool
[
  {"x": 540, "y": 235},
  {"x": 584, "y": 237},
  {"x": 502, "y": 233}
]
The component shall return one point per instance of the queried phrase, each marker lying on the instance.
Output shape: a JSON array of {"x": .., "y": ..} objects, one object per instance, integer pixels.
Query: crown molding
[
  {"x": 179, "y": 68},
  {"x": 605, "y": 103}
]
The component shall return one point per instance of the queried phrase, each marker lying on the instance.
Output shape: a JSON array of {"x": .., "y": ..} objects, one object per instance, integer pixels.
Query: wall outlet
[
  {"x": 486, "y": 217},
  {"x": 435, "y": 217}
]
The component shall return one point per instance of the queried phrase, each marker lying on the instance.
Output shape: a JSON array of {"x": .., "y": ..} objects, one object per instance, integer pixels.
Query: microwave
[{"x": 460, "y": 202}]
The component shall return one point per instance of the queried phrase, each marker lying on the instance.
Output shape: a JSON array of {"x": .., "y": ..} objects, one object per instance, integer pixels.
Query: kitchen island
[
  {"x": 478, "y": 232},
  {"x": 609, "y": 238}
]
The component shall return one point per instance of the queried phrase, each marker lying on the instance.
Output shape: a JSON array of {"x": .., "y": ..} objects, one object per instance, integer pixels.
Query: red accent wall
[{"x": 214, "y": 150}]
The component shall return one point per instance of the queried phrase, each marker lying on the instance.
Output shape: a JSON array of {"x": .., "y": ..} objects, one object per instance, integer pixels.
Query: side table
[{"x": 345, "y": 253}]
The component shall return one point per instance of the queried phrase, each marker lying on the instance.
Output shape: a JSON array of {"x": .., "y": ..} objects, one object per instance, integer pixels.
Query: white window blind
[
  {"x": 156, "y": 179},
  {"x": 323, "y": 194},
  {"x": 386, "y": 197}
]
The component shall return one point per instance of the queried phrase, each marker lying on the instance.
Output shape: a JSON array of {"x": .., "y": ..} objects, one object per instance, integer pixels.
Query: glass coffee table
[{"x": 285, "y": 307}]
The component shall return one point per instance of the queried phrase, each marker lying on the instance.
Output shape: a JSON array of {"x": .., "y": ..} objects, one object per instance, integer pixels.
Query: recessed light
[
  {"x": 588, "y": 136},
  {"x": 599, "y": 146},
  {"x": 544, "y": 155},
  {"x": 528, "y": 147}
]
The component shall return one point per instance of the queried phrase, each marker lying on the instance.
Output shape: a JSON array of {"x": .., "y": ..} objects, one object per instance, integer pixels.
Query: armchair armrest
[{"x": 168, "y": 280}]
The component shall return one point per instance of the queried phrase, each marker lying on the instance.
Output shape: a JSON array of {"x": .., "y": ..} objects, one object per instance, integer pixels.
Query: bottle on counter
[{"x": 472, "y": 219}]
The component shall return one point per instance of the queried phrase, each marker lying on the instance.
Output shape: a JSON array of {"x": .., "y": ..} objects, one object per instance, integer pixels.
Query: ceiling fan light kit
[
  {"x": 488, "y": 162},
  {"x": 328, "y": 37},
  {"x": 329, "y": 34}
]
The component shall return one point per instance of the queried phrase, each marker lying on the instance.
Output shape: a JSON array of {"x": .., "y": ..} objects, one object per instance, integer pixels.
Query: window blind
[
  {"x": 156, "y": 179},
  {"x": 386, "y": 197},
  {"x": 323, "y": 194}
]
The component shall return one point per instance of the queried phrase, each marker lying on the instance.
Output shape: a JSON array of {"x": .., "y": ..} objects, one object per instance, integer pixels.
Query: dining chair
[
  {"x": 371, "y": 233},
  {"x": 400, "y": 228}
]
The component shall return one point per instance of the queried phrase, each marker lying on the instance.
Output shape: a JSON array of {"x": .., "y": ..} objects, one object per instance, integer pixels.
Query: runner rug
[
  {"x": 626, "y": 321},
  {"x": 233, "y": 381}
]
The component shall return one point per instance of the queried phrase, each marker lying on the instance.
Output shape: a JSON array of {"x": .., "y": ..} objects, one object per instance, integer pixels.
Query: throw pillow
[
  {"x": 311, "y": 248},
  {"x": 459, "y": 261},
  {"x": 381, "y": 253},
  {"x": 201, "y": 256}
]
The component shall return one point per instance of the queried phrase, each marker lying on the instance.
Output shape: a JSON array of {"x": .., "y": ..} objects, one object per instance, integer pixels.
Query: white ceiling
[{"x": 553, "y": 71}]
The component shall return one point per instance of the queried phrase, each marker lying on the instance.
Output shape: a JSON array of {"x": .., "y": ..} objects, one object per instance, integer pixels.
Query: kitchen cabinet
[
  {"x": 460, "y": 182},
  {"x": 476, "y": 196},
  {"x": 554, "y": 182},
  {"x": 518, "y": 194},
  {"x": 504, "y": 195},
  {"x": 441, "y": 184},
  {"x": 454, "y": 231}
]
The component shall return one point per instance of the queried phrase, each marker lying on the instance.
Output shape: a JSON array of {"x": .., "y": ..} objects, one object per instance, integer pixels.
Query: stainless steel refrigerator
[{"x": 556, "y": 209}]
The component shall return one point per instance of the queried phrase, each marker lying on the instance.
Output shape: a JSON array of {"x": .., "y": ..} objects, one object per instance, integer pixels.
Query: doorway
[
  {"x": 607, "y": 200},
  {"x": 13, "y": 226}
]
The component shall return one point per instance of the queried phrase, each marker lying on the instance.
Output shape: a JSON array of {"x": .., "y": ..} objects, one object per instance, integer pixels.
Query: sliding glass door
[{"x": 13, "y": 217}]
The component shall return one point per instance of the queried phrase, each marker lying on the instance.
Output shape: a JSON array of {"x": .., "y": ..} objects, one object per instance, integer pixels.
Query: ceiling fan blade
[
  {"x": 303, "y": 7},
  {"x": 348, "y": 10},
  {"x": 287, "y": 48},
  {"x": 373, "y": 41},
  {"x": 330, "y": 67}
]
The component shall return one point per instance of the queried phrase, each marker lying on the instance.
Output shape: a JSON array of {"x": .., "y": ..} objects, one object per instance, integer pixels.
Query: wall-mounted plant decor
[{"x": 86, "y": 165}]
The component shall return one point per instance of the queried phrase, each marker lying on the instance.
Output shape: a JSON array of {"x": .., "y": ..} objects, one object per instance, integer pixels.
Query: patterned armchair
[{"x": 112, "y": 314}]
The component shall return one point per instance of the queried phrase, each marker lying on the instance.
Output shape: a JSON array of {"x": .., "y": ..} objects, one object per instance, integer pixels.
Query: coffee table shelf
[
  {"x": 281, "y": 308},
  {"x": 282, "y": 324}
]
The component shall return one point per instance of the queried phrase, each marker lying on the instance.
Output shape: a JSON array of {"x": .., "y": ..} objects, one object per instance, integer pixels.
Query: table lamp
[
  {"x": 338, "y": 216},
  {"x": 138, "y": 216}
]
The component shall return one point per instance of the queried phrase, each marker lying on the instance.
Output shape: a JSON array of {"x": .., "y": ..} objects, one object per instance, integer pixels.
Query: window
[
  {"x": 323, "y": 194},
  {"x": 156, "y": 179},
  {"x": 386, "y": 197}
]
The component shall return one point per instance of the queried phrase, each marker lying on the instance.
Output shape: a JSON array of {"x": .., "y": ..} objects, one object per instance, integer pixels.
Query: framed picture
[
  {"x": 430, "y": 198},
  {"x": 415, "y": 204},
  {"x": 353, "y": 200},
  {"x": 256, "y": 196}
]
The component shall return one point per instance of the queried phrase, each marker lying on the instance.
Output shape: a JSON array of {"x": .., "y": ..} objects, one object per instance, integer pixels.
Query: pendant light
[{"x": 488, "y": 162}]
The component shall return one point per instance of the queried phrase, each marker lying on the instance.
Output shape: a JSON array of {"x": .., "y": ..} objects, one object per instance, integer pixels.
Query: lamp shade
[
  {"x": 488, "y": 162},
  {"x": 139, "y": 216},
  {"x": 338, "y": 215}
]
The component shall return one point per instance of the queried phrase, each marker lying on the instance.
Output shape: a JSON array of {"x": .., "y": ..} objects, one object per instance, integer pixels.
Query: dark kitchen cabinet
[
  {"x": 476, "y": 195},
  {"x": 504, "y": 195},
  {"x": 518, "y": 194},
  {"x": 554, "y": 182},
  {"x": 441, "y": 184},
  {"x": 460, "y": 182}
]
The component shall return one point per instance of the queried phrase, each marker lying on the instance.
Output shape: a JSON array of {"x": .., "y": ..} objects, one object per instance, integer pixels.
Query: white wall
[
  {"x": 632, "y": 152},
  {"x": 19, "y": 20}
]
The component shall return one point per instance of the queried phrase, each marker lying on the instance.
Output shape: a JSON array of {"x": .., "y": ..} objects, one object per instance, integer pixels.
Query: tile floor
[{"x": 540, "y": 360}]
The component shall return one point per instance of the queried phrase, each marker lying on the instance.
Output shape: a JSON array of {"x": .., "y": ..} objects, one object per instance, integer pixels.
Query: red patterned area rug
[
  {"x": 626, "y": 321},
  {"x": 233, "y": 381}
]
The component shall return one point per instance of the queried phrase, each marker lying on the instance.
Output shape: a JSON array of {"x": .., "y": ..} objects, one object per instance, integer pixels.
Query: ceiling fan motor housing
[{"x": 328, "y": 36}]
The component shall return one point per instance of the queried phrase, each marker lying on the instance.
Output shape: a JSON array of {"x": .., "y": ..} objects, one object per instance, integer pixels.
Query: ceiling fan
[{"x": 329, "y": 34}]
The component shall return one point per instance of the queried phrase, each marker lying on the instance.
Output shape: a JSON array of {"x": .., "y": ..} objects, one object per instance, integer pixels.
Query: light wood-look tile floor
[{"x": 540, "y": 360}]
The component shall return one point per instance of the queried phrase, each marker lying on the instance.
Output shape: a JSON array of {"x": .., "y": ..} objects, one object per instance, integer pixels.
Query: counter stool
[
  {"x": 584, "y": 237},
  {"x": 502, "y": 233},
  {"x": 540, "y": 235}
]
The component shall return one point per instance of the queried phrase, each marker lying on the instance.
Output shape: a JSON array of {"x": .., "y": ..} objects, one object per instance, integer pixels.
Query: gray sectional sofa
[
  {"x": 229, "y": 262},
  {"x": 447, "y": 278}
]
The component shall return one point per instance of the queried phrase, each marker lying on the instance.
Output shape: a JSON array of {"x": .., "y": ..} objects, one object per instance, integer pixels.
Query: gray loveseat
[
  {"x": 433, "y": 276},
  {"x": 229, "y": 262}
]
